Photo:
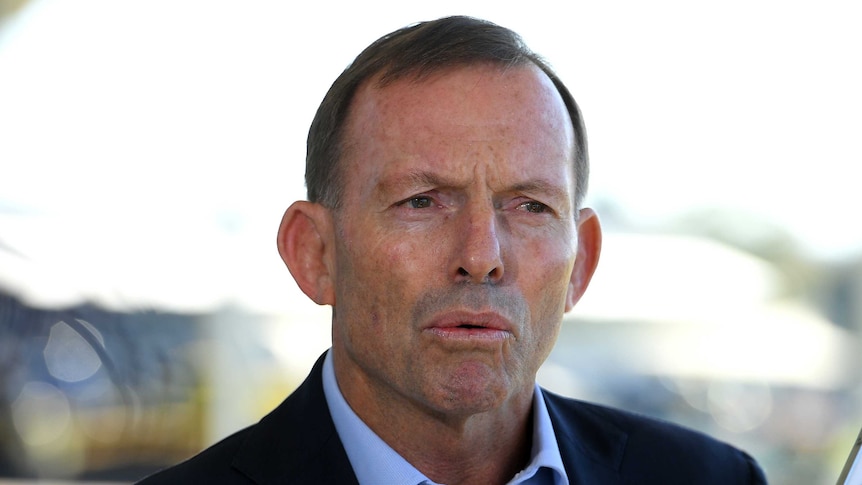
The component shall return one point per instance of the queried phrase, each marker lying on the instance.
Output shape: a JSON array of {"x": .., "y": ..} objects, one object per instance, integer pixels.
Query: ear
[
  {"x": 587, "y": 258},
  {"x": 305, "y": 243}
]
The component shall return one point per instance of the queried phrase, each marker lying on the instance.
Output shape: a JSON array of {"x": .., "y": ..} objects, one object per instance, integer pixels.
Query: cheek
[
  {"x": 544, "y": 328},
  {"x": 404, "y": 259},
  {"x": 378, "y": 280},
  {"x": 548, "y": 264},
  {"x": 547, "y": 284}
]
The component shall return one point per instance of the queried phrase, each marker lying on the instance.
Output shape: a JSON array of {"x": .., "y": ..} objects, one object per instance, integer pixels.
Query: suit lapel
[
  {"x": 592, "y": 449},
  {"x": 297, "y": 442}
]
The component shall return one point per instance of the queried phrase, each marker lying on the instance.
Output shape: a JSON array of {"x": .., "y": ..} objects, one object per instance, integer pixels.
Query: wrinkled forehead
[
  {"x": 511, "y": 117},
  {"x": 481, "y": 94}
]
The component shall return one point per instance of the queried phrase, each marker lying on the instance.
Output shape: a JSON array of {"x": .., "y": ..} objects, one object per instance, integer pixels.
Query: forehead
[
  {"x": 480, "y": 90},
  {"x": 512, "y": 116}
]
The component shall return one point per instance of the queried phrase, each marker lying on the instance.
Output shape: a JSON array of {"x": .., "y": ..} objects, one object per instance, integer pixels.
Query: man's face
[{"x": 456, "y": 239}]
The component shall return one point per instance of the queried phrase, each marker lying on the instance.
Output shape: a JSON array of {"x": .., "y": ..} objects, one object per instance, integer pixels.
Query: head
[
  {"x": 446, "y": 168},
  {"x": 419, "y": 51}
]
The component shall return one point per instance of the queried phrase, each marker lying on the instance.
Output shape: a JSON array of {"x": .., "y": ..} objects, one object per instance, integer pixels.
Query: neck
[
  {"x": 473, "y": 458},
  {"x": 474, "y": 448}
]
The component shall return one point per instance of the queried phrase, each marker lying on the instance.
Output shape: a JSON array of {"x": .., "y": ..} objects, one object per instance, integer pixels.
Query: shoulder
[
  {"x": 295, "y": 443},
  {"x": 639, "y": 446},
  {"x": 211, "y": 466}
]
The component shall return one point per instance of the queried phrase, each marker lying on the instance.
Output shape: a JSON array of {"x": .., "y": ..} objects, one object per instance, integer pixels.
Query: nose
[{"x": 479, "y": 256}]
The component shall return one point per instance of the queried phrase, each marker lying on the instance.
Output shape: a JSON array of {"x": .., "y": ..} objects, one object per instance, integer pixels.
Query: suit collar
[
  {"x": 296, "y": 442},
  {"x": 592, "y": 448}
]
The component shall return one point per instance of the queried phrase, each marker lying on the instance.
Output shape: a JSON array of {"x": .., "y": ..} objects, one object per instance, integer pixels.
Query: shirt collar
[
  {"x": 374, "y": 461},
  {"x": 546, "y": 451}
]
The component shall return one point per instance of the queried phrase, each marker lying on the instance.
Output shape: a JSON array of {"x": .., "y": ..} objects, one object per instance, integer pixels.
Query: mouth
[{"x": 471, "y": 327}]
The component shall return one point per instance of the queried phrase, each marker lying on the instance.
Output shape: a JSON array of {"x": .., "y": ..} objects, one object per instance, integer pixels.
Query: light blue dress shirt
[{"x": 374, "y": 462}]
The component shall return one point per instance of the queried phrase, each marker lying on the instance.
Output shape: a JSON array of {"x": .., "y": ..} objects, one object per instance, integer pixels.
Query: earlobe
[
  {"x": 304, "y": 243},
  {"x": 589, "y": 248}
]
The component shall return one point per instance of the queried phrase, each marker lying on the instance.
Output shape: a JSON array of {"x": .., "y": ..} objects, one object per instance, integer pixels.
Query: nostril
[{"x": 492, "y": 275}]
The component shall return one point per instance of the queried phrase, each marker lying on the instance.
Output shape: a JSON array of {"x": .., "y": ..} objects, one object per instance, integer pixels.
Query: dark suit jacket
[{"x": 297, "y": 444}]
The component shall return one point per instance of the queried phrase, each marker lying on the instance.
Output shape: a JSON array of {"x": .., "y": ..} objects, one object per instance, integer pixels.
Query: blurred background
[{"x": 149, "y": 148}]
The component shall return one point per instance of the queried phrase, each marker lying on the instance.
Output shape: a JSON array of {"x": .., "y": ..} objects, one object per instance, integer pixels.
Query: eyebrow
[
  {"x": 422, "y": 178},
  {"x": 418, "y": 178},
  {"x": 542, "y": 187}
]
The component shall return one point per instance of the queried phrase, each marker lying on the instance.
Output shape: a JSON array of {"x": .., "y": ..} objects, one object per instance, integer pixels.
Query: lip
[{"x": 471, "y": 326}]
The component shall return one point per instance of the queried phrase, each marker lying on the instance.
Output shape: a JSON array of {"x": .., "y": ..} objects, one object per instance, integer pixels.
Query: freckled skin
[{"x": 479, "y": 133}]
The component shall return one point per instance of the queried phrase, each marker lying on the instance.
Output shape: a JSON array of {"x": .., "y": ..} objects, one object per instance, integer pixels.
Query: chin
[{"x": 473, "y": 390}]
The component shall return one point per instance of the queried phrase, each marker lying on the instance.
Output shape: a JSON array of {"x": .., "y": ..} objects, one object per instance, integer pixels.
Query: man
[{"x": 446, "y": 169}]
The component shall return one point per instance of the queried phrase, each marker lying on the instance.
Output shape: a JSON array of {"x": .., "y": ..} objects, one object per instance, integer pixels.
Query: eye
[
  {"x": 534, "y": 207},
  {"x": 419, "y": 202}
]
